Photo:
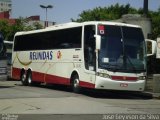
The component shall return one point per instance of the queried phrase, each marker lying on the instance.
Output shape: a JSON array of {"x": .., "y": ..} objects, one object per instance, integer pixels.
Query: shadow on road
[
  {"x": 111, "y": 94},
  {"x": 103, "y": 94},
  {"x": 3, "y": 87}
]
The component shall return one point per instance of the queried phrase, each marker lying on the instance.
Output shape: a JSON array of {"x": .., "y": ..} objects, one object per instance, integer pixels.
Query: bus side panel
[
  {"x": 87, "y": 77},
  {"x": 49, "y": 78},
  {"x": 15, "y": 69},
  {"x": 37, "y": 76},
  {"x": 16, "y": 73},
  {"x": 56, "y": 79},
  {"x": 57, "y": 70},
  {"x": 87, "y": 84},
  {"x": 60, "y": 69}
]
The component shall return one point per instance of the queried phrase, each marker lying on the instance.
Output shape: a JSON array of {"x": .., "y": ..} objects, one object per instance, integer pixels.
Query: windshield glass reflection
[{"x": 122, "y": 49}]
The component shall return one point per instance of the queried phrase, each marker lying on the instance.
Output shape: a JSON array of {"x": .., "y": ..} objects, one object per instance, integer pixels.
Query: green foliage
[
  {"x": 37, "y": 25},
  {"x": 107, "y": 13},
  {"x": 21, "y": 24},
  {"x": 5, "y": 28},
  {"x": 97, "y": 14},
  {"x": 116, "y": 11},
  {"x": 155, "y": 16}
]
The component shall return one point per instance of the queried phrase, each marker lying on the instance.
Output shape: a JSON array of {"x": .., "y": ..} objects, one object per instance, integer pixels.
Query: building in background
[
  {"x": 36, "y": 19},
  {"x": 6, "y": 10},
  {"x": 31, "y": 20},
  {"x": 6, "y": 16},
  {"x": 6, "y": 5}
]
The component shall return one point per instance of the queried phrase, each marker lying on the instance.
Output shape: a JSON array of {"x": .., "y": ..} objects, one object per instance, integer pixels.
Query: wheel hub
[{"x": 76, "y": 83}]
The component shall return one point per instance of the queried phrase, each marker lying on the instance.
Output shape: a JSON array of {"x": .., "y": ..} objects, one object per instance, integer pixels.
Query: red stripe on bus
[
  {"x": 38, "y": 77},
  {"x": 42, "y": 77},
  {"x": 46, "y": 78},
  {"x": 57, "y": 80},
  {"x": 86, "y": 84},
  {"x": 16, "y": 73},
  {"x": 123, "y": 78}
]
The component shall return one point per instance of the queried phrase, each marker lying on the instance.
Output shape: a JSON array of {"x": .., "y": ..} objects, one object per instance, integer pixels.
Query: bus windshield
[{"x": 122, "y": 49}]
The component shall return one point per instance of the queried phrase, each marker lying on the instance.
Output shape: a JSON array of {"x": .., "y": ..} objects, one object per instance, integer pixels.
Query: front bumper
[{"x": 106, "y": 83}]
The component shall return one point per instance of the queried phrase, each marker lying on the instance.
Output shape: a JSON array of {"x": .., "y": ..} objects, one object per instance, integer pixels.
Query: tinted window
[
  {"x": 60, "y": 39},
  {"x": 89, "y": 47},
  {"x": 122, "y": 49}
]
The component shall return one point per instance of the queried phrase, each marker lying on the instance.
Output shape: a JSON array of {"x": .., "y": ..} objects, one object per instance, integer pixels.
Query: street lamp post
[{"x": 46, "y": 7}]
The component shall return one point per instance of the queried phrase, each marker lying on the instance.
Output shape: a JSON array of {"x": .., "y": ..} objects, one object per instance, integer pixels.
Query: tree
[
  {"x": 155, "y": 16},
  {"x": 5, "y": 28},
  {"x": 21, "y": 24},
  {"x": 37, "y": 25},
  {"x": 116, "y": 11},
  {"x": 107, "y": 13}
]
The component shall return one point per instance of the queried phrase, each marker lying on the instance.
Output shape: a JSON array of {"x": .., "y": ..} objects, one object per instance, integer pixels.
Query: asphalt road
[{"x": 58, "y": 102}]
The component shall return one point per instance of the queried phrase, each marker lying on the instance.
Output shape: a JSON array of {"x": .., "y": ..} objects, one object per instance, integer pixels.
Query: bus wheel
[
  {"x": 29, "y": 78},
  {"x": 23, "y": 78},
  {"x": 75, "y": 84}
]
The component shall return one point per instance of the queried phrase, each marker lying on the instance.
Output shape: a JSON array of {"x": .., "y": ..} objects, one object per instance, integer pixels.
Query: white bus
[
  {"x": 9, "y": 45},
  {"x": 3, "y": 59},
  {"x": 98, "y": 55}
]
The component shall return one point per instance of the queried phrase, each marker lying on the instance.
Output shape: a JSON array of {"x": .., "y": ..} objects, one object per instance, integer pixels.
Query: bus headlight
[
  {"x": 103, "y": 75},
  {"x": 142, "y": 78}
]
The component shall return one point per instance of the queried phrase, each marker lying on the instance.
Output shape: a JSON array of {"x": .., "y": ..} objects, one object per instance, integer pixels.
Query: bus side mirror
[
  {"x": 151, "y": 46},
  {"x": 98, "y": 42},
  {"x": 158, "y": 48}
]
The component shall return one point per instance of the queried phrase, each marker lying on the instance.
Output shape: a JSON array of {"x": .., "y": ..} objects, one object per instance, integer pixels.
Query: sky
[{"x": 64, "y": 10}]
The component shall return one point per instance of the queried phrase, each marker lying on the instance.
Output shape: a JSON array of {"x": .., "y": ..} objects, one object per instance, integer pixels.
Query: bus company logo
[
  {"x": 101, "y": 29},
  {"x": 59, "y": 55},
  {"x": 41, "y": 55}
]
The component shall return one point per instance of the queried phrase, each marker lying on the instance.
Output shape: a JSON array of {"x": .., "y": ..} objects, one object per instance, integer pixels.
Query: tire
[
  {"x": 23, "y": 78},
  {"x": 75, "y": 84},
  {"x": 29, "y": 78}
]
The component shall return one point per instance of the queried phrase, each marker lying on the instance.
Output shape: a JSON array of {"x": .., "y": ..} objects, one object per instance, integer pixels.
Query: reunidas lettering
[{"x": 43, "y": 55}]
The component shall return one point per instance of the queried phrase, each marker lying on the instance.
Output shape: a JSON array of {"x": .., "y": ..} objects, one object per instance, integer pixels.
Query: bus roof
[{"x": 74, "y": 24}]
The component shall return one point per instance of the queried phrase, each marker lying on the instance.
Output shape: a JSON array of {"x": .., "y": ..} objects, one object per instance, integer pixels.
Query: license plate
[{"x": 123, "y": 85}]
